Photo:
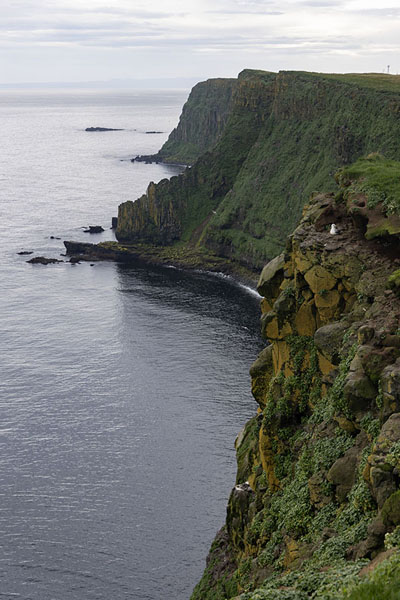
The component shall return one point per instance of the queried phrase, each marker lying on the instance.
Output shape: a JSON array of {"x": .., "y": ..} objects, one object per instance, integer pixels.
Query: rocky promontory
[
  {"x": 201, "y": 123},
  {"x": 283, "y": 136}
]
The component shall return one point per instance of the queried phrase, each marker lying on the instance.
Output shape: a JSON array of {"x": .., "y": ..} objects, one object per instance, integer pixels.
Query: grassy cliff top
[
  {"x": 376, "y": 81},
  {"x": 377, "y": 177}
]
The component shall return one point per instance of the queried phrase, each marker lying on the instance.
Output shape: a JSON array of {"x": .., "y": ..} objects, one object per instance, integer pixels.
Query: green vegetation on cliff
[
  {"x": 286, "y": 135},
  {"x": 315, "y": 512},
  {"x": 203, "y": 119},
  {"x": 178, "y": 208}
]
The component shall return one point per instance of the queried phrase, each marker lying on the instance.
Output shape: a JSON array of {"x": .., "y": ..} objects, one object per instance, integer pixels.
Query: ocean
[{"x": 122, "y": 388}]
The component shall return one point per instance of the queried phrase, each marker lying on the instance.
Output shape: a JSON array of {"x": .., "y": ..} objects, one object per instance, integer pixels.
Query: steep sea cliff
[
  {"x": 315, "y": 511},
  {"x": 285, "y": 136}
]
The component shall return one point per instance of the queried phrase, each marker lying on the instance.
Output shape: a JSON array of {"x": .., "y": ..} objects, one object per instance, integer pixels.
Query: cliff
[
  {"x": 286, "y": 134},
  {"x": 315, "y": 512},
  {"x": 179, "y": 208},
  {"x": 201, "y": 123}
]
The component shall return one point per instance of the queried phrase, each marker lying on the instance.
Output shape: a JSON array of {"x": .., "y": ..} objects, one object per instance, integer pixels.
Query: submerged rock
[
  {"x": 102, "y": 129},
  {"x": 42, "y": 260},
  {"x": 94, "y": 229}
]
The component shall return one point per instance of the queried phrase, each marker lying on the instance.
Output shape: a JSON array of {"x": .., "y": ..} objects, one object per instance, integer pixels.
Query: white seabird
[{"x": 334, "y": 230}]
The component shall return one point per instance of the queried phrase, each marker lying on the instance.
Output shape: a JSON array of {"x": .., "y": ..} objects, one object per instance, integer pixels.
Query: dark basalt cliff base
[
  {"x": 180, "y": 257},
  {"x": 315, "y": 512}
]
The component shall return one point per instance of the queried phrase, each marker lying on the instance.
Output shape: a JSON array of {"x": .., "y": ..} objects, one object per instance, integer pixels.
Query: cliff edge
[
  {"x": 203, "y": 119},
  {"x": 315, "y": 512},
  {"x": 283, "y": 135}
]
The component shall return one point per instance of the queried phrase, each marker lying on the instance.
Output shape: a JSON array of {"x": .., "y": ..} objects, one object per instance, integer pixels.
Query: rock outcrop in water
[
  {"x": 282, "y": 137},
  {"x": 316, "y": 505},
  {"x": 94, "y": 129}
]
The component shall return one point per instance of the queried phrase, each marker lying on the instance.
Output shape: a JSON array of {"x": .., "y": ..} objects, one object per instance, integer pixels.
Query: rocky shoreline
[{"x": 180, "y": 257}]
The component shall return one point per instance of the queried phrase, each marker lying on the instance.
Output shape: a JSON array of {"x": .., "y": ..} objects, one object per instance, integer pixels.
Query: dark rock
[
  {"x": 79, "y": 247},
  {"x": 74, "y": 260},
  {"x": 94, "y": 229},
  {"x": 376, "y": 359},
  {"x": 328, "y": 340},
  {"x": 373, "y": 542},
  {"x": 114, "y": 222},
  {"x": 220, "y": 561},
  {"x": 90, "y": 252},
  {"x": 25, "y": 252},
  {"x": 365, "y": 334},
  {"x": 343, "y": 472},
  {"x": 359, "y": 392},
  {"x": 148, "y": 159},
  {"x": 42, "y": 260},
  {"x": 154, "y": 132},
  {"x": 102, "y": 129}
]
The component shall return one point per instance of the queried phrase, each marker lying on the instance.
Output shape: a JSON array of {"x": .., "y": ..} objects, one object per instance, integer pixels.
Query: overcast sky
[{"x": 78, "y": 40}]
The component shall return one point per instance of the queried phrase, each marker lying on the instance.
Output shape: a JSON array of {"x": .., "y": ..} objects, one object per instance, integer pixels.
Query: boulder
[
  {"x": 328, "y": 340},
  {"x": 359, "y": 392},
  {"x": 271, "y": 277},
  {"x": 342, "y": 473},
  {"x": 320, "y": 279}
]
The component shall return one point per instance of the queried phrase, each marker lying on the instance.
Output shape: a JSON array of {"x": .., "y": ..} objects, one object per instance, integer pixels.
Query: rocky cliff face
[
  {"x": 286, "y": 135},
  {"x": 203, "y": 119},
  {"x": 317, "y": 499},
  {"x": 180, "y": 208}
]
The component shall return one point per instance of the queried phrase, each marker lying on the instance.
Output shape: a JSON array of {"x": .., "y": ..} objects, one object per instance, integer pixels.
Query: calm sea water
[{"x": 122, "y": 388}]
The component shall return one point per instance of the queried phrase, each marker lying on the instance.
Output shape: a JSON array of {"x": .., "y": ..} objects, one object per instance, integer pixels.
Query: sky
[{"x": 96, "y": 40}]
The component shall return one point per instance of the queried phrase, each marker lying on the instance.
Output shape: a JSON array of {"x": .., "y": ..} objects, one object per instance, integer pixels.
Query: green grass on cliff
[
  {"x": 376, "y": 81},
  {"x": 378, "y": 178},
  {"x": 319, "y": 123},
  {"x": 203, "y": 119},
  {"x": 322, "y": 536},
  {"x": 286, "y": 136}
]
